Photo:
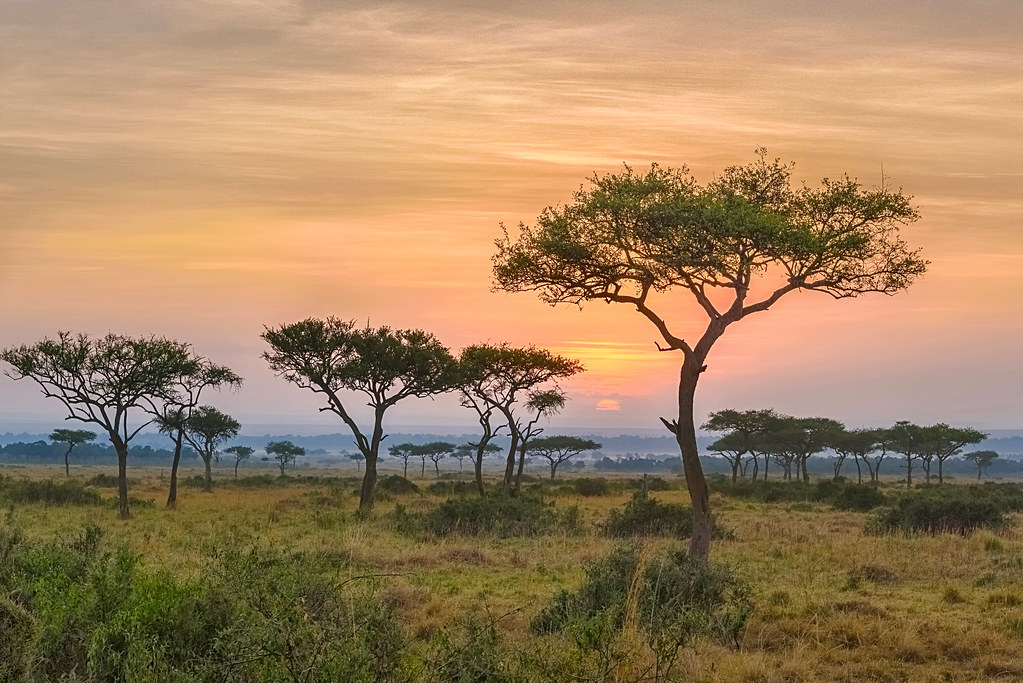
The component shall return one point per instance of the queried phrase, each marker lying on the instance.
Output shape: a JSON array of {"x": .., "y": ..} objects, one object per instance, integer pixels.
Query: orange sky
[{"x": 199, "y": 169}]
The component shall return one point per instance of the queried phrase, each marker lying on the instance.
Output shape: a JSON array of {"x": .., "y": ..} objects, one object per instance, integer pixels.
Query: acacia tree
[
  {"x": 172, "y": 416},
  {"x": 541, "y": 404},
  {"x": 284, "y": 452},
  {"x": 859, "y": 443},
  {"x": 908, "y": 440},
  {"x": 206, "y": 429},
  {"x": 633, "y": 236},
  {"x": 946, "y": 441},
  {"x": 557, "y": 449},
  {"x": 494, "y": 377},
  {"x": 982, "y": 459},
  {"x": 241, "y": 454},
  {"x": 405, "y": 451},
  {"x": 109, "y": 381},
  {"x": 331, "y": 356},
  {"x": 72, "y": 437},
  {"x": 435, "y": 451},
  {"x": 744, "y": 427}
]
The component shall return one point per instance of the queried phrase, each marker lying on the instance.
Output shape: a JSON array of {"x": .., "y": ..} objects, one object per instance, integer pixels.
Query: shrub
[
  {"x": 858, "y": 497},
  {"x": 498, "y": 515},
  {"x": 107, "y": 481},
  {"x": 396, "y": 484},
  {"x": 474, "y": 653},
  {"x": 645, "y": 516},
  {"x": 591, "y": 486},
  {"x": 48, "y": 492},
  {"x": 16, "y": 641},
  {"x": 453, "y": 488},
  {"x": 949, "y": 509},
  {"x": 670, "y": 596}
]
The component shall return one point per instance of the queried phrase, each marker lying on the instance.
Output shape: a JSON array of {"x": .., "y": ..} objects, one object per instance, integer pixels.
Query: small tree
[
  {"x": 72, "y": 437},
  {"x": 205, "y": 429},
  {"x": 405, "y": 451},
  {"x": 358, "y": 458},
  {"x": 241, "y": 454},
  {"x": 284, "y": 452},
  {"x": 736, "y": 245},
  {"x": 557, "y": 449},
  {"x": 331, "y": 356},
  {"x": 947, "y": 441},
  {"x": 858, "y": 443},
  {"x": 908, "y": 440},
  {"x": 435, "y": 451},
  {"x": 982, "y": 459},
  {"x": 744, "y": 427},
  {"x": 110, "y": 382}
]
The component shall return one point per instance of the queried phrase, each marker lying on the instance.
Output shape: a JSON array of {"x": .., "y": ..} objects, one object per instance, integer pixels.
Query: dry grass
[{"x": 831, "y": 603}]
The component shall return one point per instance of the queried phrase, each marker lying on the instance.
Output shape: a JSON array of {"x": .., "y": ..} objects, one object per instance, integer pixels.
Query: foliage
[
  {"x": 948, "y": 509},
  {"x": 495, "y": 515},
  {"x": 283, "y": 452},
  {"x": 396, "y": 484},
  {"x": 839, "y": 493},
  {"x": 646, "y": 516},
  {"x": 668, "y": 595},
  {"x": 558, "y": 449},
  {"x": 97, "y": 615},
  {"x": 48, "y": 492}
]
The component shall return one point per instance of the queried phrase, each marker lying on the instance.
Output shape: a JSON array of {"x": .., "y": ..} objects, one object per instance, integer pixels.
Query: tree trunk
[
  {"x": 436, "y": 465},
  {"x": 518, "y": 473},
  {"x": 696, "y": 482},
  {"x": 236, "y": 463},
  {"x": 208, "y": 488},
  {"x": 554, "y": 468},
  {"x": 172, "y": 493},
  {"x": 859, "y": 471},
  {"x": 369, "y": 482},
  {"x": 756, "y": 466},
  {"x": 406, "y": 468},
  {"x": 735, "y": 469},
  {"x": 422, "y": 472},
  {"x": 477, "y": 465},
  {"x": 802, "y": 468},
  {"x": 67, "y": 462},
  {"x": 941, "y": 478},
  {"x": 509, "y": 466},
  {"x": 122, "y": 478},
  {"x": 909, "y": 471}
]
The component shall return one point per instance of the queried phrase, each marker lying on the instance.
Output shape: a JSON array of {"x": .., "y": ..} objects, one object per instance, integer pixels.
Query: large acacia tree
[
  {"x": 334, "y": 356},
  {"x": 736, "y": 245},
  {"x": 115, "y": 382}
]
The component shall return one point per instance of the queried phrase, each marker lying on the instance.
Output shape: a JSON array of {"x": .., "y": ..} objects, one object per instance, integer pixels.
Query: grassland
[{"x": 830, "y": 603}]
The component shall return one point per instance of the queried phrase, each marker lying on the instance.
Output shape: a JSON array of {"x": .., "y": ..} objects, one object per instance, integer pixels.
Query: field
[{"x": 829, "y": 602}]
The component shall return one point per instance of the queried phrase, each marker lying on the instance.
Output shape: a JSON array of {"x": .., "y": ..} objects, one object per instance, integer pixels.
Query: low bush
[
  {"x": 645, "y": 516},
  {"x": 47, "y": 492},
  {"x": 669, "y": 596},
  {"x": 496, "y": 515},
  {"x": 396, "y": 484},
  {"x": 108, "y": 481},
  {"x": 840, "y": 493},
  {"x": 947, "y": 509},
  {"x": 453, "y": 488},
  {"x": 591, "y": 486}
]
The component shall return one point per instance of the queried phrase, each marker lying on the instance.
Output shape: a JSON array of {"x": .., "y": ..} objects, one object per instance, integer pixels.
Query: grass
[{"x": 829, "y": 602}]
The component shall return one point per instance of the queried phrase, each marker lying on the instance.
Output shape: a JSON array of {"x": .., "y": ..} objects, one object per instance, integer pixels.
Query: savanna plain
[{"x": 278, "y": 578}]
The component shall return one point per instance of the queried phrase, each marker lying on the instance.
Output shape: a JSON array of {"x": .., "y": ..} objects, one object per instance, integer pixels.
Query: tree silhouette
[
  {"x": 114, "y": 382},
  {"x": 205, "y": 429},
  {"x": 283, "y": 452},
  {"x": 241, "y": 454},
  {"x": 72, "y": 437},
  {"x": 736, "y": 245},
  {"x": 557, "y": 449},
  {"x": 331, "y": 356}
]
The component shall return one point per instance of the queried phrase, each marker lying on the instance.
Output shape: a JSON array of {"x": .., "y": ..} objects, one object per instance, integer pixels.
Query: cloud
[{"x": 608, "y": 404}]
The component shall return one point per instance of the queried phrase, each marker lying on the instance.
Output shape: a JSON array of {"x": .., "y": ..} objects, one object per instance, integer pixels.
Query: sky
[{"x": 201, "y": 168}]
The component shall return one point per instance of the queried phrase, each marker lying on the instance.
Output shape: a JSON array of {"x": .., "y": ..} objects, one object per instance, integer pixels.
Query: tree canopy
[
  {"x": 283, "y": 452},
  {"x": 205, "y": 430},
  {"x": 72, "y": 437},
  {"x": 557, "y": 449},
  {"x": 115, "y": 381},
  {"x": 736, "y": 245},
  {"x": 332, "y": 356}
]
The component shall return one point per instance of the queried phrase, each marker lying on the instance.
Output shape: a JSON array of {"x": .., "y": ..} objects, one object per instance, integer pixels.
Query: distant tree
[
  {"x": 907, "y": 439},
  {"x": 72, "y": 437},
  {"x": 105, "y": 381},
  {"x": 494, "y": 377},
  {"x": 405, "y": 451},
  {"x": 982, "y": 459},
  {"x": 358, "y": 458},
  {"x": 945, "y": 442},
  {"x": 743, "y": 428},
  {"x": 330, "y": 356},
  {"x": 171, "y": 417},
  {"x": 241, "y": 454},
  {"x": 435, "y": 451},
  {"x": 731, "y": 447},
  {"x": 541, "y": 404},
  {"x": 633, "y": 237},
  {"x": 557, "y": 449},
  {"x": 463, "y": 451},
  {"x": 883, "y": 439},
  {"x": 205, "y": 430},
  {"x": 284, "y": 452},
  {"x": 858, "y": 443}
]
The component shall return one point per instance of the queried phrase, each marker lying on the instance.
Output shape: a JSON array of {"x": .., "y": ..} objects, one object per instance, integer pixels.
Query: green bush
[
  {"x": 473, "y": 653},
  {"x": 591, "y": 486},
  {"x": 497, "y": 515},
  {"x": 946, "y": 509},
  {"x": 645, "y": 516},
  {"x": 674, "y": 598},
  {"x": 858, "y": 497},
  {"x": 48, "y": 492},
  {"x": 396, "y": 484},
  {"x": 17, "y": 636},
  {"x": 108, "y": 481},
  {"x": 453, "y": 488},
  {"x": 841, "y": 494}
]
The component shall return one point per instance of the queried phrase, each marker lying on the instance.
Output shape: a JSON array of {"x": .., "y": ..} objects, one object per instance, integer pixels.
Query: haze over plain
[{"x": 200, "y": 169}]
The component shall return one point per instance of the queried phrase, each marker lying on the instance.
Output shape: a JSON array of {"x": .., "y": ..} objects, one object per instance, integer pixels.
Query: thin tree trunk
[
  {"x": 859, "y": 470},
  {"x": 67, "y": 462},
  {"x": 122, "y": 478},
  {"x": 554, "y": 468},
  {"x": 436, "y": 465},
  {"x": 477, "y": 466},
  {"x": 509, "y": 466},
  {"x": 518, "y": 473},
  {"x": 172, "y": 493},
  {"x": 369, "y": 478},
  {"x": 236, "y": 463},
  {"x": 735, "y": 469},
  {"x": 909, "y": 471},
  {"x": 941, "y": 478}
]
